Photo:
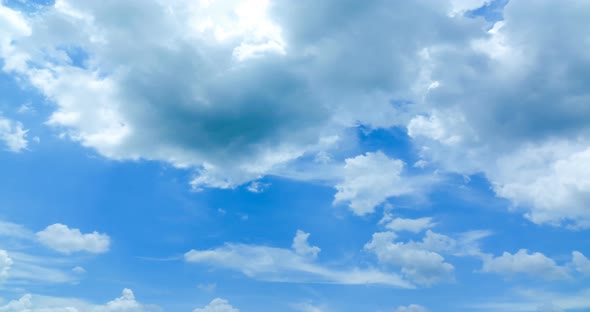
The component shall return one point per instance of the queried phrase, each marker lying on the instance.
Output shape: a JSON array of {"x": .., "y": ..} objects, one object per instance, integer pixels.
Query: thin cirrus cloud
[
  {"x": 410, "y": 225},
  {"x": 5, "y": 263},
  {"x": 287, "y": 265},
  {"x": 33, "y": 266},
  {"x": 38, "y": 303},
  {"x": 535, "y": 300}
]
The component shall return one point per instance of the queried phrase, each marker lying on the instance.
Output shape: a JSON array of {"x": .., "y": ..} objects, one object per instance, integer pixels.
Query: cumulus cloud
[
  {"x": 535, "y": 264},
  {"x": 37, "y": 303},
  {"x": 411, "y": 308},
  {"x": 302, "y": 247},
  {"x": 217, "y": 305},
  {"x": 232, "y": 98},
  {"x": 287, "y": 265},
  {"x": 63, "y": 239},
  {"x": 529, "y": 133},
  {"x": 369, "y": 180},
  {"x": 417, "y": 263},
  {"x": 238, "y": 98},
  {"x": 30, "y": 264},
  {"x": 13, "y": 135}
]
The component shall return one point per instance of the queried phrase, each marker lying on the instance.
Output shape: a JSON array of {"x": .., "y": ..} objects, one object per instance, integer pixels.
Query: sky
[{"x": 305, "y": 156}]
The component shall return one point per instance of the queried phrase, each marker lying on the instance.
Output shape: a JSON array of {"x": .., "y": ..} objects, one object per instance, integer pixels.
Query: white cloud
[
  {"x": 38, "y": 303},
  {"x": 280, "y": 78},
  {"x": 552, "y": 179},
  {"x": 13, "y": 230},
  {"x": 66, "y": 240},
  {"x": 417, "y": 263},
  {"x": 464, "y": 244},
  {"x": 13, "y": 135},
  {"x": 286, "y": 265},
  {"x": 462, "y": 6},
  {"x": 26, "y": 108},
  {"x": 307, "y": 307},
  {"x": 549, "y": 307},
  {"x": 257, "y": 187},
  {"x": 529, "y": 134},
  {"x": 274, "y": 85},
  {"x": 369, "y": 180},
  {"x": 34, "y": 269},
  {"x": 581, "y": 263},
  {"x": 536, "y": 300},
  {"x": 302, "y": 247},
  {"x": 411, "y": 225},
  {"x": 422, "y": 261},
  {"x": 30, "y": 264},
  {"x": 5, "y": 264},
  {"x": 218, "y": 305},
  {"x": 432, "y": 127},
  {"x": 207, "y": 287},
  {"x": 125, "y": 303},
  {"x": 535, "y": 265},
  {"x": 411, "y": 308},
  {"x": 12, "y": 25}
]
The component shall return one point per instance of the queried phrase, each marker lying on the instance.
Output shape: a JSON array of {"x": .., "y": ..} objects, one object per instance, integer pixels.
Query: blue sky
[{"x": 269, "y": 155}]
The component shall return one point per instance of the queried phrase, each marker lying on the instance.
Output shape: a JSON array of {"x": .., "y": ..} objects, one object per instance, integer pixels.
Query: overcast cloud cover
[{"x": 278, "y": 155}]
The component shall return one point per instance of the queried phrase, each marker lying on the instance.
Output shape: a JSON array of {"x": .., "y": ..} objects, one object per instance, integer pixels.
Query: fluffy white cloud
[
  {"x": 217, "y": 305},
  {"x": 529, "y": 133},
  {"x": 125, "y": 303},
  {"x": 369, "y": 180},
  {"x": 581, "y": 263},
  {"x": 411, "y": 308},
  {"x": 286, "y": 265},
  {"x": 37, "y": 303},
  {"x": 13, "y": 135},
  {"x": 533, "y": 264},
  {"x": 12, "y": 25},
  {"x": 63, "y": 239},
  {"x": 411, "y": 225},
  {"x": 29, "y": 264},
  {"x": 417, "y": 263},
  {"x": 5, "y": 264},
  {"x": 302, "y": 247},
  {"x": 552, "y": 178}
]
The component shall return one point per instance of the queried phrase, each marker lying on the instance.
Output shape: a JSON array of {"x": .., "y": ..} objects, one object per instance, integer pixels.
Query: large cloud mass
[
  {"x": 232, "y": 89},
  {"x": 238, "y": 90}
]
